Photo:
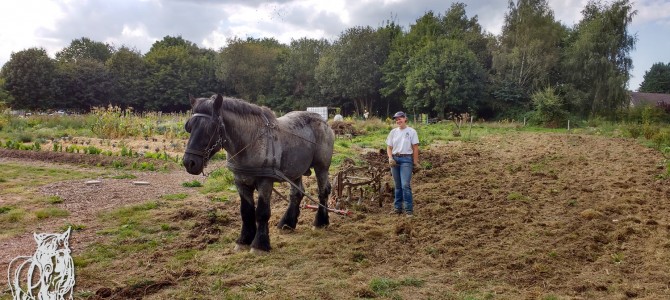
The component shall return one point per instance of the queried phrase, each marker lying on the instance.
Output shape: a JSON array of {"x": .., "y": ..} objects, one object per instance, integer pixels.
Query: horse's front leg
[
  {"x": 247, "y": 208},
  {"x": 261, "y": 241},
  {"x": 321, "y": 219},
  {"x": 290, "y": 218}
]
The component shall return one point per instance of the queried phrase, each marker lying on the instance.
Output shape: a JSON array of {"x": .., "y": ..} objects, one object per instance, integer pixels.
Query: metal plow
[{"x": 359, "y": 184}]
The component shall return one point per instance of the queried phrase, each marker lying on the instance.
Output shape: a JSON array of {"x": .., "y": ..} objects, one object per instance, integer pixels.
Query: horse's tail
[{"x": 14, "y": 282}]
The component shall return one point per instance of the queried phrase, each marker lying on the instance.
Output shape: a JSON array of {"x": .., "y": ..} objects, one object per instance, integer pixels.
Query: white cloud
[
  {"x": 20, "y": 20},
  {"x": 652, "y": 12}
]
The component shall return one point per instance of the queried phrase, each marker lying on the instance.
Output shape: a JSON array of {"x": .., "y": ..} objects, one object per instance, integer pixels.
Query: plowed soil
[{"x": 514, "y": 216}]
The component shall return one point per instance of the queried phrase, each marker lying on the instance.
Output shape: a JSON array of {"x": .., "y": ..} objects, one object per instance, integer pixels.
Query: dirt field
[{"x": 515, "y": 216}]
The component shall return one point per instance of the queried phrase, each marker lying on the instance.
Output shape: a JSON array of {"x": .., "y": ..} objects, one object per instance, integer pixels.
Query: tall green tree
[
  {"x": 296, "y": 80},
  {"x": 656, "y": 79},
  {"x": 359, "y": 55},
  {"x": 459, "y": 27},
  {"x": 85, "y": 48},
  {"x": 439, "y": 52},
  {"x": 248, "y": 68},
  {"x": 83, "y": 84},
  {"x": 598, "y": 62},
  {"x": 352, "y": 68},
  {"x": 128, "y": 72},
  {"x": 175, "y": 68},
  {"x": 28, "y": 79},
  {"x": 527, "y": 57},
  {"x": 446, "y": 77}
]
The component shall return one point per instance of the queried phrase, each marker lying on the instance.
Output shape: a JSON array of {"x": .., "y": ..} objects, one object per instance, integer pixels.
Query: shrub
[
  {"x": 549, "y": 108},
  {"x": 635, "y": 130}
]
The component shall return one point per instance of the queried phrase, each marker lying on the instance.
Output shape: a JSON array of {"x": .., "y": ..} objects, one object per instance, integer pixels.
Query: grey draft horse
[{"x": 261, "y": 149}]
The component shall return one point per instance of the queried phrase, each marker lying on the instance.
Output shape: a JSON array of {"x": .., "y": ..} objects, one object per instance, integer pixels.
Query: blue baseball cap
[{"x": 399, "y": 114}]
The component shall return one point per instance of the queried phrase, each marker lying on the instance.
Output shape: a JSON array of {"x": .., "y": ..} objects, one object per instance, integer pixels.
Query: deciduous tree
[
  {"x": 656, "y": 79},
  {"x": 598, "y": 62},
  {"x": 85, "y": 48},
  {"x": 28, "y": 78}
]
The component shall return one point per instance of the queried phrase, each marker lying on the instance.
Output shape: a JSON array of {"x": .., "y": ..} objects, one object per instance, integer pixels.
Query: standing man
[{"x": 403, "y": 154}]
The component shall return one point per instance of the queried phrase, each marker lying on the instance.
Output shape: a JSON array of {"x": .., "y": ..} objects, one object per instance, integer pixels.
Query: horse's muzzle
[{"x": 193, "y": 164}]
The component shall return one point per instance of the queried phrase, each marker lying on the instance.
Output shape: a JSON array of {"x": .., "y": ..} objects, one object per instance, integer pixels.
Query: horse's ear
[
  {"x": 190, "y": 98},
  {"x": 217, "y": 103},
  {"x": 37, "y": 237},
  {"x": 66, "y": 234}
]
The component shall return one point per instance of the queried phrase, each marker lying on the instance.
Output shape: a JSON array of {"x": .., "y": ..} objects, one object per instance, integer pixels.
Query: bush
[
  {"x": 634, "y": 130},
  {"x": 549, "y": 108}
]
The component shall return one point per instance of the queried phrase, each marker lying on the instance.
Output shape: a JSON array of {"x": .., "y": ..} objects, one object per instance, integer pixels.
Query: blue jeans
[{"x": 402, "y": 175}]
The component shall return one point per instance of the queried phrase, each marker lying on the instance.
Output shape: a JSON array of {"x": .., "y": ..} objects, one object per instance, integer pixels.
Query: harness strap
[{"x": 195, "y": 152}]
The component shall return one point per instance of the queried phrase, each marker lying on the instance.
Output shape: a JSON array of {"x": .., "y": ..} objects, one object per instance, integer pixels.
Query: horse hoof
[
  {"x": 239, "y": 247},
  {"x": 258, "y": 251},
  {"x": 314, "y": 228}
]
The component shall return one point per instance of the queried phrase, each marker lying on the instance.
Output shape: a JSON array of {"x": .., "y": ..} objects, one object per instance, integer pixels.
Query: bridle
[{"x": 220, "y": 130}]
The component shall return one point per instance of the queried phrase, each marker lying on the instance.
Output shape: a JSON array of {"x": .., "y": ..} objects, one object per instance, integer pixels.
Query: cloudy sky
[{"x": 53, "y": 24}]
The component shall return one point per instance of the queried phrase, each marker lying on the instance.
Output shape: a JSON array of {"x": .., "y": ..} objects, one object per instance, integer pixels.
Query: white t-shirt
[{"x": 401, "y": 140}]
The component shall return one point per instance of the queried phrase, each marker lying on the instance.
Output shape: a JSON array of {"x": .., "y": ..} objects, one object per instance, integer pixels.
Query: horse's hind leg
[
  {"x": 321, "y": 219},
  {"x": 290, "y": 218},
  {"x": 262, "y": 239},
  {"x": 248, "y": 216}
]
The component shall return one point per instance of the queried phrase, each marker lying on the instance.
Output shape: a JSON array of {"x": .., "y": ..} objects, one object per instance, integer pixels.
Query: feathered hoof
[
  {"x": 239, "y": 247},
  {"x": 258, "y": 251}
]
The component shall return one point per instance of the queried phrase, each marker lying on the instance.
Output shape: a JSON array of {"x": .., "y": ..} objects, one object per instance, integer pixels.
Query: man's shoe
[
  {"x": 396, "y": 211},
  {"x": 409, "y": 214}
]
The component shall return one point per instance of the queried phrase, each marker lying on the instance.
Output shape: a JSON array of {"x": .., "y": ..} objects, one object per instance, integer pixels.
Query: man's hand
[
  {"x": 416, "y": 168},
  {"x": 392, "y": 162}
]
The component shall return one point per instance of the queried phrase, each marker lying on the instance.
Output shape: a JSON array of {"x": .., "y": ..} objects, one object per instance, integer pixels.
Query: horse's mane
[{"x": 238, "y": 107}]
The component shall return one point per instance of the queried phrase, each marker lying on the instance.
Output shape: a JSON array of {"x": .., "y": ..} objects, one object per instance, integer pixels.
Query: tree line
[{"x": 443, "y": 65}]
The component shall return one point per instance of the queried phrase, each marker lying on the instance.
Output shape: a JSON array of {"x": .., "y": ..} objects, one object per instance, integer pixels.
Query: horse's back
[
  {"x": 305, "y": 120},
  {"x": 311, "y": 127}
]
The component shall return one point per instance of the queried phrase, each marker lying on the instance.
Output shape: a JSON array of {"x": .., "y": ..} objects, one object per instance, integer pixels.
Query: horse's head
[
  {"x": 53, "y": 261},
  {"x": 207, "y": 133}
]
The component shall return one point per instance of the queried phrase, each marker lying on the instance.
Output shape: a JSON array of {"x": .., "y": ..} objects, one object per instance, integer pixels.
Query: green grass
[
  {"x": 221, "y": 180},
  {"x": 191, "y": 184},
  {"x": 13, "y": 215},
  {"x": 22, "y": 177},
  {"x": 4, "y": 209},
  {"x": 386, "y": 287},
  {"x": 51, "y": 212},
  {"x": 74, "y": 227},
  {"x": 179, "y": 196},
  {"x": 54, "y": 199}
]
